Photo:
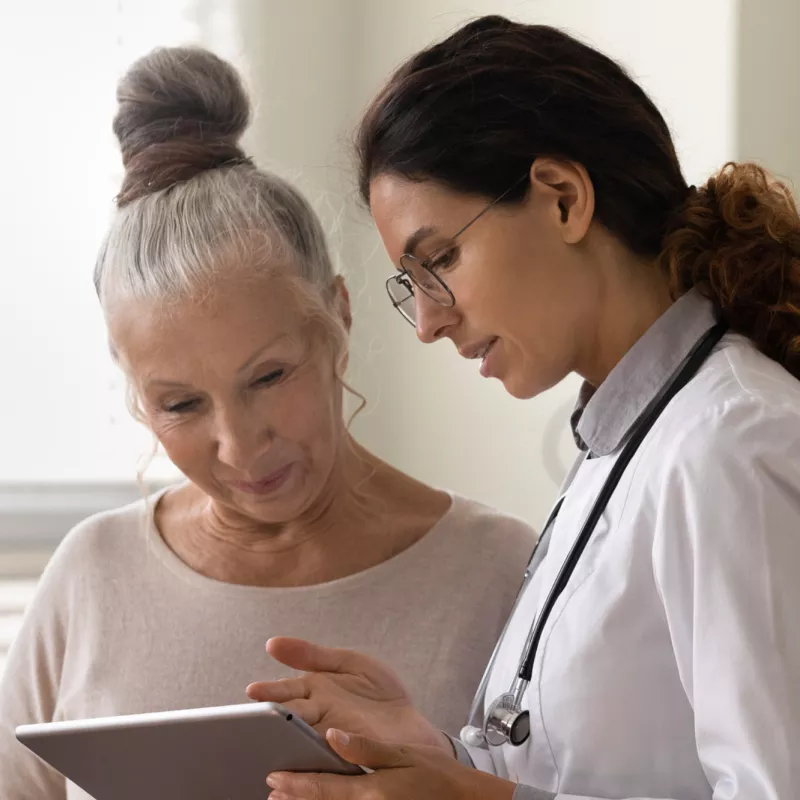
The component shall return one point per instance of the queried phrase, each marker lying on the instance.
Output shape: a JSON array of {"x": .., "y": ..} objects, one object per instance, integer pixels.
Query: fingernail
[{"x": 340, "y": 737}]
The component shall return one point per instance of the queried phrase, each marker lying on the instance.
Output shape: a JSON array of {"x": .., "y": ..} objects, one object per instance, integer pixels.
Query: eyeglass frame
[{"x": 405, "y": 279}]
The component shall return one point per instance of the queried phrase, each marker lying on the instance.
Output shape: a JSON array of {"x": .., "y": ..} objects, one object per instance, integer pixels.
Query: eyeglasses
[{"x": 416, "y": 273}]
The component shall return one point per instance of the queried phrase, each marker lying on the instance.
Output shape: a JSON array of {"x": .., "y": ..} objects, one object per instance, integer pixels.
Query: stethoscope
[{"x": 505, "y": 721}]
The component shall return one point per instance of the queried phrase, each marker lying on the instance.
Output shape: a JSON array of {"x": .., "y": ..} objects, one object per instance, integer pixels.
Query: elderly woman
[{"x": 224, "y": 311}]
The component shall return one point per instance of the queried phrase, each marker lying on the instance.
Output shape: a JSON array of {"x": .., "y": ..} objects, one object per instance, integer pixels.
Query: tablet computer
[{"x": 222, "y": 753}]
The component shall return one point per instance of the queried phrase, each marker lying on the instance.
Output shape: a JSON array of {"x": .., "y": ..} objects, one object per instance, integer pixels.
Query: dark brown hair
[{"x": 473, "y": 111}]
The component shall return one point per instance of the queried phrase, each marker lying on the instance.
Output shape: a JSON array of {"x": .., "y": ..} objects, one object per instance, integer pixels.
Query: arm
[
  {"x": 726, "y": 556},
  {"x": 467, "y": 756},
  {"x": 28, "y": 693}
]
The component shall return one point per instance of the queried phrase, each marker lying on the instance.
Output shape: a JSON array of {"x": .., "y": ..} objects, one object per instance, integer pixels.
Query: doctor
[{"x": 529, "y": 194}]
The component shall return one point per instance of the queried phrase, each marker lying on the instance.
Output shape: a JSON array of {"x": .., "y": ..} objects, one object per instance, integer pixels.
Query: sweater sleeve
[{"x": 29, "y": 691}]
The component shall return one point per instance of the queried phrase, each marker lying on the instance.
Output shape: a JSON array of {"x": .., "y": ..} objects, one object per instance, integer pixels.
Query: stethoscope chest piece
[{"x": 506, "y": 723}]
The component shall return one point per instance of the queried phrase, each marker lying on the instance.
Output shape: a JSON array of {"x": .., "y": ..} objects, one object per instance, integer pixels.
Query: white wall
[
  {"x": 61, "y": 398},
  {"x": 55, "y": 145},
  {"x": 431, "y": 412},
  {"x": 767, "y": 70},
  {"x": 299, "y": 62},
  {"x": 312, "y": 66}
]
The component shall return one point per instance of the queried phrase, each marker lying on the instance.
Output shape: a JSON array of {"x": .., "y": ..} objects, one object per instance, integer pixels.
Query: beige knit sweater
[{"x": 121, "y": 625}]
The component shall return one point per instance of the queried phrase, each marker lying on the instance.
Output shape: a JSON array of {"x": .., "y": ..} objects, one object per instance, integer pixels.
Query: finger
[
  {"x": 368, "y": 752},
  {"x": 314, "y": 786},
  {"x": 310, "y": 657},
  {"x": 279, "y": 691},
  {"x": 308, "y": 710}
]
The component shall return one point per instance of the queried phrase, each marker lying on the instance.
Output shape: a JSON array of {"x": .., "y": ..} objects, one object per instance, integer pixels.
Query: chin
[
  {"x": 284, "y": 505},
  {"x": 525, "y": 387},
  {"x": 519, "y": 391}
]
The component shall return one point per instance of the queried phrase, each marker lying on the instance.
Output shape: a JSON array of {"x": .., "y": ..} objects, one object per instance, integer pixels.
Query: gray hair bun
[{"x": 182, "y": 110}]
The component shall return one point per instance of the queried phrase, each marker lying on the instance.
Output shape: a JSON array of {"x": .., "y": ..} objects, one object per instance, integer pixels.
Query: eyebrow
[
  {"x": 165, "y": 384},
  {"x": 416, "y": 237},
  {"x": 253, "y": 358},
  {"x": 250, "y": 361}
]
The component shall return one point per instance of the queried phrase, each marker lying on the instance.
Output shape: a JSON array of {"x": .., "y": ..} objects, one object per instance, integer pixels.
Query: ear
[
  {"x": 570, "y": 191},
  {"x": 342, "y": 302}
]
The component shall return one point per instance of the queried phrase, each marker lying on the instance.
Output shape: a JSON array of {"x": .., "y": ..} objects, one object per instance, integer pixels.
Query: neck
[
  {"x": 632, "y": 297},
  {"x": 345, "y": 500},
  {"x": 359, "y": 520}
]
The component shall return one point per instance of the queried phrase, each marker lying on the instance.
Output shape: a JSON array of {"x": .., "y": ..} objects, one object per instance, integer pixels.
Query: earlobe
[{"x": 342, "y": 302}]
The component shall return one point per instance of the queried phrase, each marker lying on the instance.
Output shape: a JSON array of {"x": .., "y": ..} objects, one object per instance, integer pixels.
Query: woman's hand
[
  {"x": 346, "y": 690},
  {"x": 401, "y": 772}
]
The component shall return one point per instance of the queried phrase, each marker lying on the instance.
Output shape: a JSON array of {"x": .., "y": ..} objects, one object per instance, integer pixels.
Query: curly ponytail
[{"x": 737, "y": 240}]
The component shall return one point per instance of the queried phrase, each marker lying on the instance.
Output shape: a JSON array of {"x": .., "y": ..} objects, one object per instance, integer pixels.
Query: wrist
[{"x": 490, "y": 787}]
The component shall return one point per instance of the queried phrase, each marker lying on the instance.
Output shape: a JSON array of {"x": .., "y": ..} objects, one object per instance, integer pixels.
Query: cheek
[
  {"x": 489, "y": 299},
  {"x": 494, "y": 282},
  {"x": 306, "y": 414},
  {"x": 184, "y": 440},
  {"x": 529, "y": 293}
]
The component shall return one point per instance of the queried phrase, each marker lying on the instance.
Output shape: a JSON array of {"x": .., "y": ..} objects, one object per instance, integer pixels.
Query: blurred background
[{"x": 724, "y": 72}]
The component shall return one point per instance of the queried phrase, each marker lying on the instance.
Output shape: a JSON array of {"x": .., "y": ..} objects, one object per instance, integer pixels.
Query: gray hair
[{"x": 193, "y": 207}]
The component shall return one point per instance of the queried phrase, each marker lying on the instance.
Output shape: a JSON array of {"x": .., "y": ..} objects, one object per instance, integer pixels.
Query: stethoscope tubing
[{"x": 689, "y": 369}]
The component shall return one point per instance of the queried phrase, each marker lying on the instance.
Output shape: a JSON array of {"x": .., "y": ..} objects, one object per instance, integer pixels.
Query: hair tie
[{"x": 161, "y": 165}]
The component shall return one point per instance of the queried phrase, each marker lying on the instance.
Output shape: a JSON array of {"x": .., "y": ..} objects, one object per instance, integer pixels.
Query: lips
[
  {"x": 271, "y": 483},
  {"x": 479, "y": 350},
  {"x": 486, "y": 361}
]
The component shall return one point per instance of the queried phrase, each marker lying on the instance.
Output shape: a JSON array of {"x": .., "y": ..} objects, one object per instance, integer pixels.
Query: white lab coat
[{"x": 670, "y": 666}]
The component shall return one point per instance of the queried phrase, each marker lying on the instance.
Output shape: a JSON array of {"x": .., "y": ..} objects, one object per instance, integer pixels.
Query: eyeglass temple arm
[{"x": 475, "y": 219}]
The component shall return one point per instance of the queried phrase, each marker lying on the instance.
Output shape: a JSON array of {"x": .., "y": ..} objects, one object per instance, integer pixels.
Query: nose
[
  {"x": 433, "y": 319},
  {"x": 241, "y": 437}
]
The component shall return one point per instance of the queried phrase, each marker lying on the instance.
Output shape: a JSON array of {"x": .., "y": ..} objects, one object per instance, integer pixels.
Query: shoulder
[
  {"x": 481, "y": 559},
  {"x": 486, "y": 533},
  {"x": 79, "y": 582},
  {"x": 739, "y": 371},
  {"x": 99, "y": 546},
  {"x": 741, "y": 409},
  {"x": 724, "y": 472}
]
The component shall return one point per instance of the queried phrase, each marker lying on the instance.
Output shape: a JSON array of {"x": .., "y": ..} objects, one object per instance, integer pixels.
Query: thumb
[{"x": 367, "y": 752}]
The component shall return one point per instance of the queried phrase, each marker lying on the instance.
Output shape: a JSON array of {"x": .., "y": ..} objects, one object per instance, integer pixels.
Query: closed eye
[
  {"x": 186, "y": 406},
  {"x": 270, "y": 378},
  {"x": 182, "y": 407}
]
